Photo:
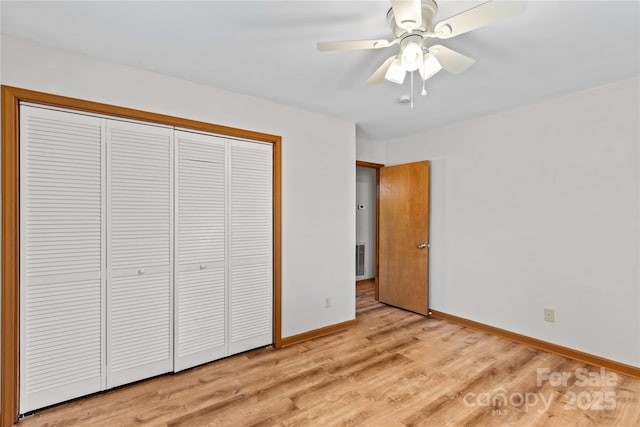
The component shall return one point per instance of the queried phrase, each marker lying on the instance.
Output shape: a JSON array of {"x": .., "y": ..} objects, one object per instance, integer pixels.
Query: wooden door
[{"x": 404, "y": 236}]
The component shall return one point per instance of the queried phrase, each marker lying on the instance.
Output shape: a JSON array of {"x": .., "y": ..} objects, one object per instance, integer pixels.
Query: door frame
[
  {"x": 10, "y": 333},
  {"x": 376, "y": 166}
]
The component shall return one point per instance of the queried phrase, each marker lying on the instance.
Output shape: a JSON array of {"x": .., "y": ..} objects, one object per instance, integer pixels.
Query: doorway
[
  {"x": 400, "y": 234},
  {"x": 365, "y": 255},
  {"x": 367, "y": 225}
]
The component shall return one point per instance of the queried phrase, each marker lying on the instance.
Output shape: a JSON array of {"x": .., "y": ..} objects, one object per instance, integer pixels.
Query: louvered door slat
[
  {"x": 251, "y": 272},
  {"x": 61, "y": 298},
  {"x": 139, "y": 332},
  {"x": 200, "y": 250}
]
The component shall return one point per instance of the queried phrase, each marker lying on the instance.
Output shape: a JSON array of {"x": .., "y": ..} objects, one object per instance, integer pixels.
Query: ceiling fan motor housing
[{"x": 429, "y": 10}]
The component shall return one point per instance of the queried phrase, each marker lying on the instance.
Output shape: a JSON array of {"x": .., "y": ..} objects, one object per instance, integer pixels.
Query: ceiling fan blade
[
  {"x": 452, "y": 61},
  {"x": 408, "y": 13},
  {"x": 354, "y": 45},
  {"x": 479, "y": 16},
  {"x": 378, "y": 75}
]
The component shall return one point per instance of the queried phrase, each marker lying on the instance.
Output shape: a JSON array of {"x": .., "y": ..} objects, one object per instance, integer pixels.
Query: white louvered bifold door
[
  {"x": 61, "y": 253},
  {"x": 200, "y": 286},
  {"x": 139, "y": 252},
  {"x": 250, "y": 245}
]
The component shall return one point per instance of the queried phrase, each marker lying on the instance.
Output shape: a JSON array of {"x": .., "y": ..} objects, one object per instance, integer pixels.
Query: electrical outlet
[
  {"x": 549, "y": 315},
  {"x": 327, "y": 302}
]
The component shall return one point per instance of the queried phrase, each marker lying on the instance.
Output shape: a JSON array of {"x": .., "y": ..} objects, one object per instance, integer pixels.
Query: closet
[{"x": 144, "y": 249}]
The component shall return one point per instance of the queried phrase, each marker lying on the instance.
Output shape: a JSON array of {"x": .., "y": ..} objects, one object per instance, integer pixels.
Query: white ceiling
[{"x": 267, "y": 49}]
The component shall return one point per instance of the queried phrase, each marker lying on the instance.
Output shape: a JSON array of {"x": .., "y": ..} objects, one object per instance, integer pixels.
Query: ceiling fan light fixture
[
  {"x": 396, "y": 72},
  {"x": 411, "y": 56},
  {"x": 429, "y": 67}
]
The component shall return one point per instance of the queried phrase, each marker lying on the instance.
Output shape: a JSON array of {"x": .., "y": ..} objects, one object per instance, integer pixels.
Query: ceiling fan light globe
[
  {"x": 429, "y": 67},
  {"x": 395, "y": 73},
  {"x": 412, "y": 56}
]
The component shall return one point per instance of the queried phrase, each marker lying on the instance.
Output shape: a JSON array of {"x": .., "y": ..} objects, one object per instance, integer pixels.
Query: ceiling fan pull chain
[{"x": 424, "y": 91}]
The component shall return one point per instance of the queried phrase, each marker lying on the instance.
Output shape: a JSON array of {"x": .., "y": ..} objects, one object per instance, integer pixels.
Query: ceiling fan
[{"x": 411, "y": 22}]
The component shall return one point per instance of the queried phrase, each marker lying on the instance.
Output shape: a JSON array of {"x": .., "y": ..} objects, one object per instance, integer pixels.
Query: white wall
[
  {"x": 366, "y": 218},
  {"x": 370, "y": 151},
  {"x": 318, "y": 158},
  {"x": 539, "y": 207}
]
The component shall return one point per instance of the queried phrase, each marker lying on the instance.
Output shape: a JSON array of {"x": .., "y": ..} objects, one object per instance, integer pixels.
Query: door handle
[{"x": 422, "y": 245}]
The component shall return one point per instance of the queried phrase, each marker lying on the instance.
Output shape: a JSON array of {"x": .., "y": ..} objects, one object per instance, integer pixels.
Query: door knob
[{"x": 422, "y": 245}]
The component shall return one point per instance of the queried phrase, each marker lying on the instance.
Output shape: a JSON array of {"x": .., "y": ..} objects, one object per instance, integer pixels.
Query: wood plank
[{"x": 393, "y": 368}]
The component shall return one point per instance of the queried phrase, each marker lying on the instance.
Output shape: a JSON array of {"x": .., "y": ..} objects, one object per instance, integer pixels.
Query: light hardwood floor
[{"x": 394, "y": 368}]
